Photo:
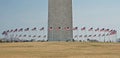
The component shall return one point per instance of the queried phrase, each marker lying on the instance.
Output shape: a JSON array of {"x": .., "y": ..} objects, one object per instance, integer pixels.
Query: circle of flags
[{"x": 97, "y": 32}]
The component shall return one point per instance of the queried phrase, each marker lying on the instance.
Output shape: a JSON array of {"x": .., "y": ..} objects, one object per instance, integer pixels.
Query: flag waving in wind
[
  {"x": 67, "y": 28},
  {"x": 113, "y": 32},
  {"x": 91, "y": 29},
  {"x": 82, "y": 29},
  {"x": 106, "y": 30},
  {"x": 97, "y": 29},
  {"x": 42, "y": 29},
  {"x": 15, "y": 30},
  {"x": 27, "y": 29},
  {"x": 58, "y": 28},
  {"x": 34, "y": 29},
  {"x": 4, "y": 33},
  {"x": 51, "y": 28},
  {"x": 75, "y": 28},
  {"x": 20, "y": 30},
  {"x": 102, "y": 29}
]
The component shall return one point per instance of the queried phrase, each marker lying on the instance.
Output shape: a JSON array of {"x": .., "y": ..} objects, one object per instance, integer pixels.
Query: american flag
[
  {"x": 58, "y": 28},
  {"x": 27, "y": 29},
  {"x": 50, "y": 28},
  {"x": 24, "y": 35},
  {"x": 89, "y": 35},
  {"x": 85, "y": 36},
  {"x": 102, "y": 29},
  {"x": 97, "y": 29},
  {"x": 29, "y": 36},
  {"x": 20, "y": 30},
  {"x": 107, "y": 34},
  {"x": 44, "y": 36},
  {"x": 91, "y": 29},
  {"x": 106, "y": 30},
  {"x": 34, "y": 36},
  {"x": 11, "y": 30},
  {"x": 39, "y": 36},
  {"x": 75, "y": 36},
  {"x": 8, "y": 31},
  {"x": 80, "y": 36},
  {"x": 34, "y": 29},
  {"x": 99, "y": 35},
  {"x": 94, "y": 35},
  {"x": 82, "y": 29},
  {"x": 113, "y": 32},
  {"x": 15, "y": 30},
  {"x": 20, "y": 35},
  {"x": 67, "y": 28},
  {"x": 103, "y": 35},
  {"x": 4, "y": 33},
  {"x": 75, "y": 28},
  {"x": 42, "y": 28}
]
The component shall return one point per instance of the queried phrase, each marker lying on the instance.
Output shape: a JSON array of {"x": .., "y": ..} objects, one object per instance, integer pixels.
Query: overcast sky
[{"x": 34, "y": 13}]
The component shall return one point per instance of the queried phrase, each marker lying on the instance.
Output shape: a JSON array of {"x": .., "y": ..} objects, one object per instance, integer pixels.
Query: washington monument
[{"x": 60, "y": 20}]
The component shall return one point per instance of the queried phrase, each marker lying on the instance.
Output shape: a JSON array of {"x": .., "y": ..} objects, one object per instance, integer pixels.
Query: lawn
[{"x": 59, "y": 50}]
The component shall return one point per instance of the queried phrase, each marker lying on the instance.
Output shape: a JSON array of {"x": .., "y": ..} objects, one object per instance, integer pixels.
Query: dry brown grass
[{"x": 59, "y": 50}]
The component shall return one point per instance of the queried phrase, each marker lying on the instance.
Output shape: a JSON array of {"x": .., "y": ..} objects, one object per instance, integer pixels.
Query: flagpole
[
  {"x": 77, "y": 34},
  {"x": 44, "y": 34},
  {"x": 116, "y": 36},
  {"x": 109, "y": 38},
  {"x": 104, "y": 37},
  {"x": 52, "y": 33},
  {"x": 6, "y": 36},
  {"x": 93, "y": 34},
  {"x": 85, "y": 34}
]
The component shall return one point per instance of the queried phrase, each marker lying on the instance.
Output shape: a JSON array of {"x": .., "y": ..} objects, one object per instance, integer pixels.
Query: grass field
[{"x": 59, "y": 50}]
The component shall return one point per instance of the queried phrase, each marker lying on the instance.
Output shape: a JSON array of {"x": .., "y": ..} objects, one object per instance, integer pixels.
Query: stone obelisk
[{"x": 60, "y": 20}]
